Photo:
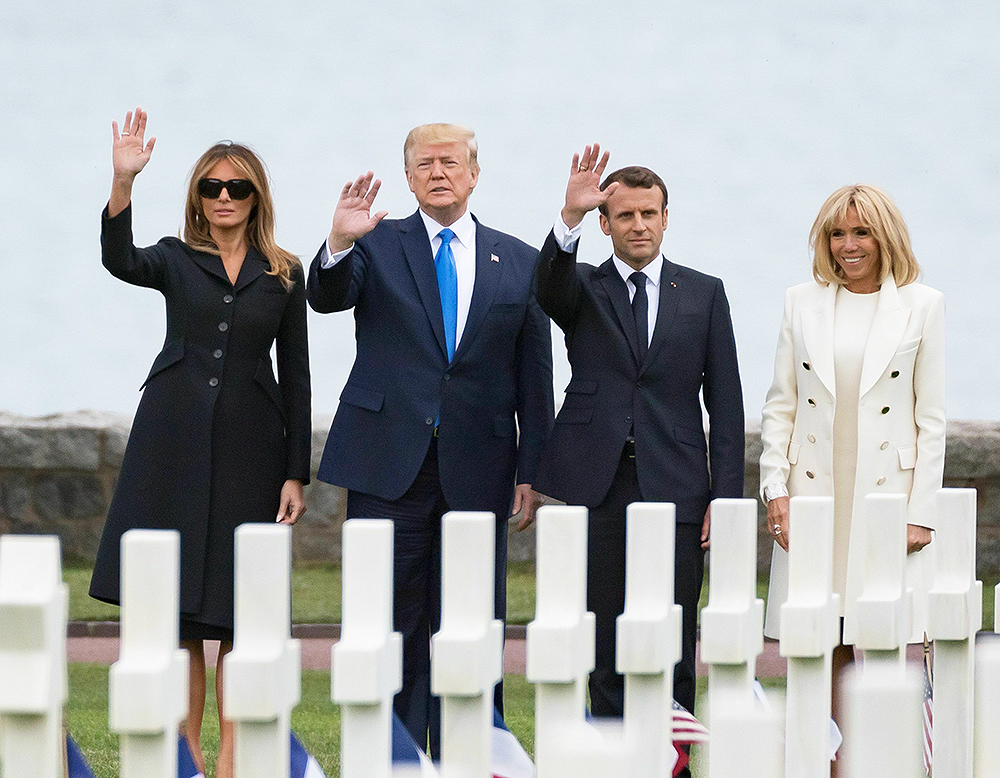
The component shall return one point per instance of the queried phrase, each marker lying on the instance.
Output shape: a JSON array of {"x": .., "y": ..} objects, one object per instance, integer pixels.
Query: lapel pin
[
  {"x": 673, "y": 284},
  {"x": 494, "y": 258}
]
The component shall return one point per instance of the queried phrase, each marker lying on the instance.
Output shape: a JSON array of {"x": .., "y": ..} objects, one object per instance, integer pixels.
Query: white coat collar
[{"x": 883, "y": 340}]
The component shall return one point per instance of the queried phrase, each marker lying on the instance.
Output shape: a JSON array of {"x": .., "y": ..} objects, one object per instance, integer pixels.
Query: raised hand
[
  {"x": 353, "y": 219},
  {"x": 583, "y": 192},
  {"x": 129, "y": 156},
  {"x": 128, "y": 153}
]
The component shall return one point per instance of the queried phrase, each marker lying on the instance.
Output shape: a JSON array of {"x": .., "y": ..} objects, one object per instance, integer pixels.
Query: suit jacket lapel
[
  {"x": 254, "y": 265},
  {"x": 887, "y": 331},
  {"x": 817, "y": 333},
  {"x": 417, "y": 249},
  {"x": 211, "y": 264},
  {"x": 665, "y": 311},
  {"x": 488, "y": 275},
  {"x": 618, "y": 294}
]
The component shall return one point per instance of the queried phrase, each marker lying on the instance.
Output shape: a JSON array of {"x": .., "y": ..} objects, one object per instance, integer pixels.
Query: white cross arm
[
  {"x": 33, "y": 610},
  {"x": 468, "y": 649},
  {"x": 560, "y": 640}
]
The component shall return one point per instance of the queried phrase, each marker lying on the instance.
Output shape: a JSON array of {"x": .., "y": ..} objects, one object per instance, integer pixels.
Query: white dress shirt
[
  {"x": 463, "y": 247},
  {"x": 567, "y": 237}
]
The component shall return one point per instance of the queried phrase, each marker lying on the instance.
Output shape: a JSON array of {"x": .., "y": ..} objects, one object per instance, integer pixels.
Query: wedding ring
[
  {"x": 125, "y": 132},
  {"x": 583, "y": 168},
  {"x": 777, "y": 529}
]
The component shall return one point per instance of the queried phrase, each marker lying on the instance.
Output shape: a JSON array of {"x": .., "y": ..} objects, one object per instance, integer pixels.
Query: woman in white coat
[{"x": 857, "y": 402}]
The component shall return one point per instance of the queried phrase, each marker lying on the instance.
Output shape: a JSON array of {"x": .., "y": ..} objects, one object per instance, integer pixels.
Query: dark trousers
[
  {"x": 416, "y": 609},
  {"x": 606, "y": 591}
]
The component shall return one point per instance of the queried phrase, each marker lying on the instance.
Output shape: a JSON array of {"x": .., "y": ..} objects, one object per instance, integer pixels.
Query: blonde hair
[
  {"x": 878, "y": 213},
  {"x": 260, "y": 228},
  {"x": 441, "y": 133}
]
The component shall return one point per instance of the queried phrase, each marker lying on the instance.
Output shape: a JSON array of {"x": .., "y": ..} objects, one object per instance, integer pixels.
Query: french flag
[{"x": 508, "y": 760}]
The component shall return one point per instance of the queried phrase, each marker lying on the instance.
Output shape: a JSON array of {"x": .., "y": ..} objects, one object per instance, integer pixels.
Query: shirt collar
[
  {"x": 464, "y": 228},
  {"x": 652, "y": 270}
]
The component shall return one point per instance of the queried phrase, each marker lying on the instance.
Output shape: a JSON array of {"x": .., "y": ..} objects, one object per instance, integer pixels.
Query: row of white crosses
[{"x": 148, "y": 684}]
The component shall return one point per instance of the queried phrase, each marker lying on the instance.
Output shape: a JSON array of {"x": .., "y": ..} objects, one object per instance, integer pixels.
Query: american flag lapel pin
[{"x": 494, "y": 258}]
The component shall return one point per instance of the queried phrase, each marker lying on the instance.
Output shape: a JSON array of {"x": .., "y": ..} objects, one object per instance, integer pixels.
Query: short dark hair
[{"x": 634, "y": 177}]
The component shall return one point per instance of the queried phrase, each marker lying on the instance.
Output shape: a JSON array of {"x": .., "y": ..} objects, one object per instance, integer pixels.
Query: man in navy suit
[
  {"x": 647, "y": 340},
  {"x": 452, "y": 349}
]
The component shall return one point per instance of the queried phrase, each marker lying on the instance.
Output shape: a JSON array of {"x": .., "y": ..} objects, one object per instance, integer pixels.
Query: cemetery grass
[
  {"x": 316, "y": 720},
  {"x": 316, "y": 595}
]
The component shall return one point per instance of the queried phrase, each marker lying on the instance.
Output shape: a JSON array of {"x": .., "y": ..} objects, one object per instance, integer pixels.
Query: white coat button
[
  {"x": 880, "y": 481},
  {"x": 812, "y": 438},
  {"x": 885, "y": 445}
]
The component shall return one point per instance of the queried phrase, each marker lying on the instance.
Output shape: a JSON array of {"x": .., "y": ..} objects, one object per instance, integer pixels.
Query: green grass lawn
[{"x": 316, "y": 595}]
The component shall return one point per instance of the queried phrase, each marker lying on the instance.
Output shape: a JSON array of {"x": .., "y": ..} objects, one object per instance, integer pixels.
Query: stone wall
[{"x": 57, "y": 475}]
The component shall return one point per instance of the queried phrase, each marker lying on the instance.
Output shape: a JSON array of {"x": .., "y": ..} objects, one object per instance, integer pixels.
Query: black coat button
[
  {"x": 217, "y": 353},
  {"x": 885, "y": 409},
  {"x": 894, "y": 374},
  {"x": 227, "y": 298},
  {"x": 223, "y": 326},
  {"x": 807, "y": 366},
  {"x": 812, "y": 402},
  {"x": 213, "y": 381}
]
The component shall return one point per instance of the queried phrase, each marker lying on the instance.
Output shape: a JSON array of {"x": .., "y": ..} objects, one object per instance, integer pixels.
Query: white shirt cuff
[
  {"x": 565, "y": 236},
  {"x": 331, "y": 258},
  {"x": 771, "y": 491}
]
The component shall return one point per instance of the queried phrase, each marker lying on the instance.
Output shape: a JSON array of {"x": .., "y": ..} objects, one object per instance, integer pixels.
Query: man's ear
[
  {"x": 409, "y": 178},
  {"x": 605, "y": 225},
  {"x": 664, "y": 218}
]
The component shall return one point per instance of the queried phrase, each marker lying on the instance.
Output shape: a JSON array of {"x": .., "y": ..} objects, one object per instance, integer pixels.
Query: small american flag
[
  {"x": 928, "y": 709},
  {"x": 686, "y": 730}
]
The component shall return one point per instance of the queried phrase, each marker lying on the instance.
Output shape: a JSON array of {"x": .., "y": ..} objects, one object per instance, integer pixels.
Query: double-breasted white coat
[{"x": 901, "y": 423}]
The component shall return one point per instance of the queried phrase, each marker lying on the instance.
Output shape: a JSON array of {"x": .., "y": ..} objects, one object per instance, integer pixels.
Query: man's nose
[{"x": 437, "y": 169}]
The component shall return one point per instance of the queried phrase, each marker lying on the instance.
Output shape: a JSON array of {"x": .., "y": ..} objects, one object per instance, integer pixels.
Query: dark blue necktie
[
  {"x": 447, "y": 276},
  {"x": 640, "y": 310}
]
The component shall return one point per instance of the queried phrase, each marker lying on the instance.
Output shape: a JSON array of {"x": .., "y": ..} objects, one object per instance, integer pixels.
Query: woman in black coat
[{"x": 216, "y": 441}]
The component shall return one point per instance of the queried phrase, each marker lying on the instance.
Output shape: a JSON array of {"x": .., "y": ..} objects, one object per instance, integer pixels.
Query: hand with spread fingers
[
  {"x": 583, "y": 192},
  {"x": 353, "y": 219},
  {"x": 129, "y": 156}
]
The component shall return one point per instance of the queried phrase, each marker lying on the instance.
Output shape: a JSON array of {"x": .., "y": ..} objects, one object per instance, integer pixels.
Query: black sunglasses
[{"x": 238, "y": 188}]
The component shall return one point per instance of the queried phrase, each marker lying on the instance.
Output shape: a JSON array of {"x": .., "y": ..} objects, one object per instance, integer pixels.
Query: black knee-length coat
[{"x": 215, "y": 436}]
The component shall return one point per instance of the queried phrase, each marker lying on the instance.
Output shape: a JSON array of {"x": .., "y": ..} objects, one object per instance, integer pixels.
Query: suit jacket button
[
  {"x": 880, "y": 481},
  {"x": 217, "y": 353},
  {"x": 885, "y": 445},
  {"x": 213, "y": 381},
  {"x": 628, "y": 419},
  {"x": 223, "y": 326},
  {"x": 810, "y": 474},
  {"x": 428, "y": 421},
  {"x": 447, "y": 377},
  {"x": 894, "y": 374},
  {"x": 885, "y": 409},
  {"x": 812, "y": 402},
  {"x": 807, "y": 366},
  {"x": 227, "y": 298},
  {"x": 812, "y": 438}
]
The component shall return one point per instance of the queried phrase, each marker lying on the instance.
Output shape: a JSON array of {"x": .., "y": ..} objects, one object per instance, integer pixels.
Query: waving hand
[
  {"x": 583, "y": 192},
  {"x": 129, "y": 156},
  {"x": 353, "y": 219}
]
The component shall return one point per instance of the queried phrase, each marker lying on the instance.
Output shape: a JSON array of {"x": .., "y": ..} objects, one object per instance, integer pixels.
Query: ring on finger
[
  {"x": 583, "y": 168},
  {"x": 777, "y": 529},
  {"x": 125, "y": 132}
]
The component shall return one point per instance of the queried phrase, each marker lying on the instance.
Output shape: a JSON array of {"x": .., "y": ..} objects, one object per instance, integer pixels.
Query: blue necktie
[{"x": 447, "y": 276}]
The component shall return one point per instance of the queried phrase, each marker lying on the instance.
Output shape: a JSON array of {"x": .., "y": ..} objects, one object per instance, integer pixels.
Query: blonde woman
[
  {"x": 857, "y": 402},
  {"x": 216, "y": 440}
]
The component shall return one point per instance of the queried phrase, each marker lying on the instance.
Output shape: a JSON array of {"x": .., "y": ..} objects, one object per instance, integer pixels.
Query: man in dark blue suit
[
  {"x": 450, "y": 398},
  {"x": 647, "y": 340}
]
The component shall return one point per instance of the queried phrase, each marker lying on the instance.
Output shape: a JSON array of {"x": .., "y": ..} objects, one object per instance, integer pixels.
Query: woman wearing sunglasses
[{"x": 216, "y": 440}]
